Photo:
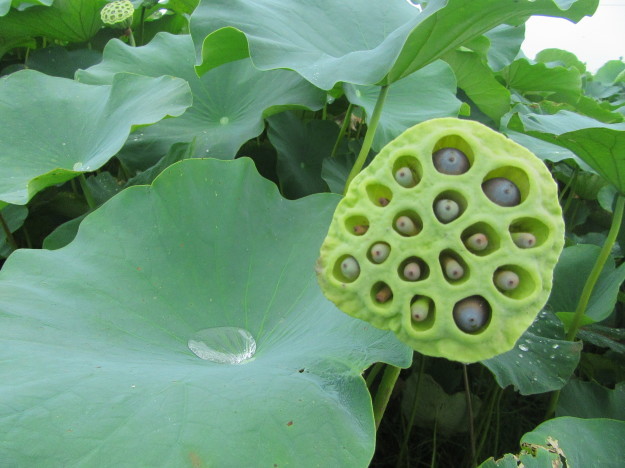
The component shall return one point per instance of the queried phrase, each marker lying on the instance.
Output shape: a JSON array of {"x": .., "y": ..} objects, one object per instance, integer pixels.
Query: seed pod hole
[
  {"x": 347, "y": 269},
  {"x": 455, "y": 270},
  {"x": 407, "y": 224},
  {"x": 357, "y": 225},
  {"x": 379, "y": 252},
  {"x": 450, "y": 161},
  {"x": 413, "y": 269},
  {"x": 514, "y": 281},
  {"x": 527, "y": 233},
  {"x": 448, "y": 206},
  {"x": 472, "y": 314},
  {"x": 475, "y": 236},
  {"x": 407, "y": 171},
  {"x": 381, "y": 293},
  {"x": 506, "y": 186},
  {"x": 379, "y": 195}
]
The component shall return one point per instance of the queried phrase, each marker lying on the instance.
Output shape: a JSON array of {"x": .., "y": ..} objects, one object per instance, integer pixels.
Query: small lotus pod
[
  {"x": 471, "y": 314},
  {"x": 497, "y": 319},
  {"x": 412, "y": 271},
  {"x": 406, "y": 226},
  {"x": 350, "y": 268},
  {"x": 420, "y": 309},
  {"x": 506, "y": 280},
  {"x": 446, "y": 210},
  {"x": 502, "y": 191},
  {"x": 450, "y": 161},
  {"x": 118, "y": 14},
  {"x": 405, "y": 177},
  {"x": 453, "y": 269},
  {"x": 477, "y": 242},
  {"x": 379, "y": 252},
  {"x": 524, "y": 240}
]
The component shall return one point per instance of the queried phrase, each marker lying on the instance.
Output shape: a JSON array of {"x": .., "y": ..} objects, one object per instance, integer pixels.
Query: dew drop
[
  {"x": 555, "y": 346},
  {"x": 223, "y": 345},
  {"x": 224, "y": 121},
  {"x": 523, "y": 347},
  {"x": 77, "y": 166}
]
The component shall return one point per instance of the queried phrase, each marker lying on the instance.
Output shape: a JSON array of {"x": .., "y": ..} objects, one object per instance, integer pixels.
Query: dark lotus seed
[
  {"x": 450, "y": 161},
  {"x": 471, "y": 314},
  {"x": 384, "y": 294},
  {"x": 360, "y": 229},
  {"x": 502, "y": 191}
]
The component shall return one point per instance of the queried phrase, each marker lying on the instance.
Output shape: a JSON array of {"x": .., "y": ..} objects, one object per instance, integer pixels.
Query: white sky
[{"x": 594, "y": 40}]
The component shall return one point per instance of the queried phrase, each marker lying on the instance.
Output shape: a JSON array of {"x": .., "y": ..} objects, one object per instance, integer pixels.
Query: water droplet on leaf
[{"x": 223, "y": 345}]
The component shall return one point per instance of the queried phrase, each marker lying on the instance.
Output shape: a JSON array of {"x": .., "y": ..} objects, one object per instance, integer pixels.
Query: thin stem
[
  {"x": 86, "y": 192},
  {"x": 413, "y": 412},
  {"x": 485, "y": 429},
  {"x": 7, "y": 232},
  {"x": 324, "y": 111},
  {"x": 373, "y": 373},
  {"x": 368, "y": 141},
  {"x": 348, "y": 115},
  {"x": 142, "y": 26},
  {"x": 383, "y": 394},
  {"x": 433, "y": 459},
  {"x": 131, "y": 38},
  {"x": 467, "y": 390}
]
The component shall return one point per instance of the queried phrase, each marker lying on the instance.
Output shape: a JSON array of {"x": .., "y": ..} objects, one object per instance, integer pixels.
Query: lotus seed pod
[
  {"x": 446, "y": 210},
  {"x": 118, "y": 14},
  {"x": 477, "y": 242},
  {"x": 383, "y": 293},
  {"x": 453, "y": 269},
  {"x": 350, "y": 268},
  {"x": 406, "y": 226},
  {"x": 471, "y": 314},
  {"x": 506, "y": 280},
  {"x": 412, "y": 271},
  {"x": 379, "y": 252},
  {"x": 420, "y": 309},
  {"x": 450, "y": 161},
  {"x": 524, "y": 240},
  {"x": 502, "y": 191},
  {"x": 405, "y": 177}
]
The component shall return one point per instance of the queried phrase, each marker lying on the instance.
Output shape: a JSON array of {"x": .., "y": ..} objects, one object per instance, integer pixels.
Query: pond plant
[{"x": 283, "y": 233}]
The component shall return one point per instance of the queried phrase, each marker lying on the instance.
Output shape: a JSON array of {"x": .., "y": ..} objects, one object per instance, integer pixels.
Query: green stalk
[
  {"x": 591, "y": 281},
  {"x": 131, "y": 38},
  {"x": 142, "y": 26},
  {"x": 86, "y": 192},
  {"x": 348, "y": 115},
  {"x": 373, "y": 373},
  {"x": 383, "y": 394},
  {"x": 9, "y": 235},
  {"x": 413, "y": 412},
  {"x": 467, "y": 390},
  {"x": 368, "y": 141}
]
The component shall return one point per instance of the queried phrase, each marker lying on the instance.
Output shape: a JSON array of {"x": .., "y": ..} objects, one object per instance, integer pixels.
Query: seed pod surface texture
[{"x": 451, "y": 326}]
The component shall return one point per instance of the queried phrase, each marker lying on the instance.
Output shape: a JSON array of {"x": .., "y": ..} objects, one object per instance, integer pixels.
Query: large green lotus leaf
[
  {"x": 63, "y": 20},
  {"x": 229, "y": 103},
  {"x": 5, "y": 5},
  {"x": 55, "y": 128},
  {"x": 541, "y": 361},
  {"x": 94, "y": 336},
  {"x": 362, "y": 42},
  {"x": 600, "y": 145},
  {"x": 426, "y": 94},
  {"x": 58, "y": 61},
  {"x": 505, "y": 44},
  {"x": 591, "y": 400}
]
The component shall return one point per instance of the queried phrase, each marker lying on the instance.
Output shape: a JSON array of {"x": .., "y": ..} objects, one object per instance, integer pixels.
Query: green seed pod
[
  {"x": 384, "y": 296},
  {"x": 506, "y": 280},
  {"x": 524, "y": 240},
  {"x": 453, "y": 269},
  {"x": 350, "y": 268},
  {"x": 412, "y": 271},
  {"x": 118, "y": 14},
  {"x": 379, "y": 252},
  {"x": 446, "y": 210},
  {"x": 420, "y": 309},
  {"x": 405, "y": 177}
]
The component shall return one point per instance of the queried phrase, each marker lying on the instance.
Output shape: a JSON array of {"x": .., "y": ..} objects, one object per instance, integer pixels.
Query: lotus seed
[
  {"x": 446, "y": 210},
  {"x": 405, "y": 177},
  {"x": 477, "y": 242},
  {"x": 383, "y": 201},
  {"x": 524, "y": 240},
  {"x": 384, "y": 294},
  {"x": 471, "y": 314},
  {"x": 453, "y": 269},
  {"x": 412, "y": 271},
  {"x": 350, "y": 268},
  {"x": 379, "y": 252},
  {"x": 406, "y": 226},
  {"x": 360, "y": 229},
  {"x": 450, "y": 161},
  {"x": 502, "y": 191},
  {"x": 506, "y": 280},
  {"x": 420, "y": 309}
]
